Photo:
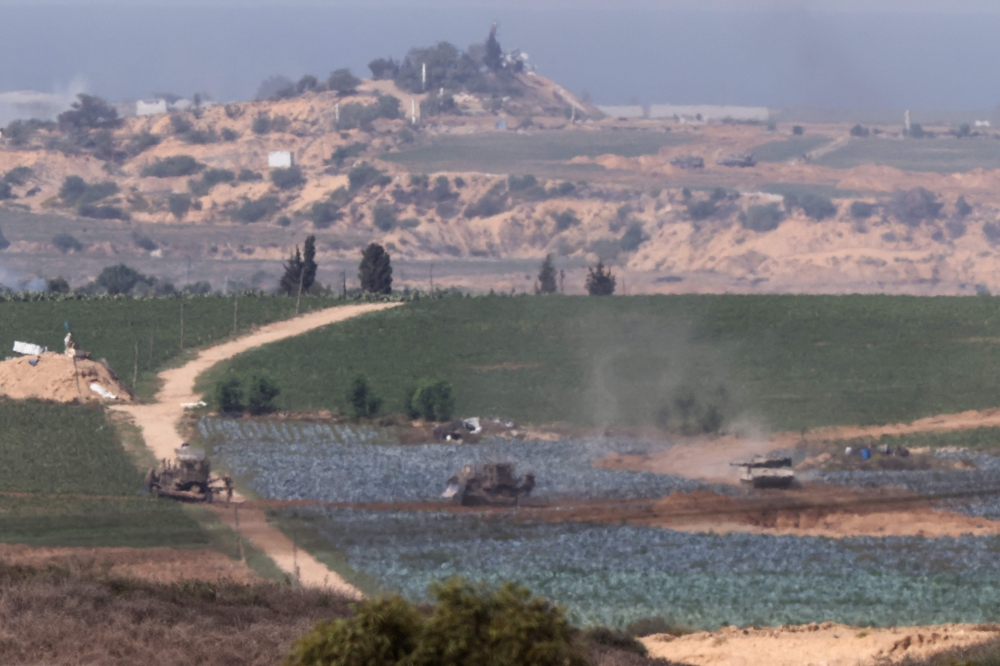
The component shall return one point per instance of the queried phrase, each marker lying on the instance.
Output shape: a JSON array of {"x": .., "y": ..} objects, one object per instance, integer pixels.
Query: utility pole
[
  {"x": 239, "y": 537},
  {"x": 298, "y": 299},
  {"x": 135, "y": 366},
  {"x": 562, "y": 281},
  {"x": 182, "y": 325},
  {"x": 343, "y": 275},
  {"x": 150, "y": 364},
  {"x": 423, "y": 78},
  {"x": 432, "y": 277},
  {"x": 236, "y": 309}
]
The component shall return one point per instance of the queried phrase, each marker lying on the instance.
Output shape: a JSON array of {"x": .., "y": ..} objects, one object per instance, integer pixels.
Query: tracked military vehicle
[
  {"x": 490, "y": 484},
  {"x": 188, "y": 478},
  {"x": 767, "y": 471},
  {"x": 742, "y": 160}
]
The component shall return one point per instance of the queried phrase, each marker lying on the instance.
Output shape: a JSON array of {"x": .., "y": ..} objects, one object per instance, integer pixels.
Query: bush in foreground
[
  {"x": 468, "y": 625},
  {"x": 362, "y": 398},
  {"x": 434, "y": 400}
]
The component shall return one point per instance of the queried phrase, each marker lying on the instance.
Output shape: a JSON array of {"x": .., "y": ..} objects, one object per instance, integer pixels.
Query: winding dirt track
[{"x": 160, "y": 422}]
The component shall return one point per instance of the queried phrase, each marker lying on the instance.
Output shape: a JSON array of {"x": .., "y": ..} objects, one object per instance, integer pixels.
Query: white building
[
  {"x": 150, "y": 108},
  {"x": 279, "y": 159}
]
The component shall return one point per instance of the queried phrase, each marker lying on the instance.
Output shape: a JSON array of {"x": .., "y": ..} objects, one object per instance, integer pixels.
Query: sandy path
[
  {"x": 829, "y": 644},
  {"x": 160, "y": 421}
]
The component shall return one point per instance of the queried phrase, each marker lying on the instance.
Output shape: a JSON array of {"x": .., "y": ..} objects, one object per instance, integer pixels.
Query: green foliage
[
  {"x": 347, "y": 151},
  {"x": 19, "y": 175},
  {"x": 261, "y": 393},
  {"x": 229, "y": 396},
  {"x": 375, "y": 270},
  {"x": 798, "y": 130},
  {"x": 89, "y": 112},
  {"x": 324, "y": 213},
  {"x": 121, "y": 279},
  {"x": 6, "y": 192},
  {"x": 492, "y": 203},
  {"x": 180, "y": 124},
  {"x": 600, "y": 281},
  {"x": 103, "y": 212},
  {"x": 614, "y": 638},
  {"x": 300, "y": 270},
  {"x": 65, "y": 242},
  {"x": 433, "y": 400},
  {"x": 547, "y": 276},
  {"x": 141, "y": 142},
  {"x": 962, "y": 208},
  {"x": 307, "y": 83},
  {"x": 437, "y": 103},
  {"x": 362, "y": 399},
  {"x": 383, "y": 68},
  {"x": 179, "y": 204},
  {"x": 860, "y": 131},
  {"x": 701, "y": 210},
  {"x": 4, "y": 243},
  {"x": 210, "y": 179},
  {"x": 173, "y": 167},
  {"x": 248, "y": 176},
  {"x": 365, "y": 175},
  {"x": 862, "y": 210},
  {"x": 20, "y": 132},
  {"x": 261, "y": 124},
  {"x": 384, "y": 216},
  {"x": 254, "y": 210},
  {"x": 912, "y": 207},
  {"x": 342, "y": 82},
  {"x": 814, "y": 206},
  {"x": 72, "y": 189},
  {"x": 287, "y": 179},
  {"x": 382, "y": 632},
  {"x": 633, "y": 237},
  {"x": 57, "y": 285},
  {"x": 762, "y": 218},
  {"x": 229, "y": 135}
]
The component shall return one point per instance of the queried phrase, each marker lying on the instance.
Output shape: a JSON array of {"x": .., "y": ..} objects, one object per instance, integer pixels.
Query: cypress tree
[
  {"x": 547, "y": 277},
  {"x": 375, "y": 270}
]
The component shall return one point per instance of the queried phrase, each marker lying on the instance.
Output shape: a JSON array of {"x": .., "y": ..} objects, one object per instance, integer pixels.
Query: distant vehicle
[
  {"x": 738, "y": 160},
  {"x": 490, "y": 484},
  {"x": 688, "y": 162},
  {"x": 767, "y": 471},
  {"x": 189, "y": 478}
]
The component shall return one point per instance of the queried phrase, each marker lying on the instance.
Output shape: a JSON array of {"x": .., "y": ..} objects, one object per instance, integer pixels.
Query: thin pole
[
  {"x": 236, "y": 308},
  {"x": 151, "y": 331},
  {"x": 239, "y": 537},
  {"x": 343, "y": 274},
  {"x": 135, "y": 366},
  {"x": 182, "y": 325},
  {"x": 432, "y": 277}
]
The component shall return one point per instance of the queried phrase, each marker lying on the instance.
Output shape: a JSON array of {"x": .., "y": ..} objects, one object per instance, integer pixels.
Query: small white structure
[
  {"x": 279, "y": 159},
  {"x": 28, "y": 348},
  {"x": 150, "y": 108},
  {"x": 982, "y": 123}
]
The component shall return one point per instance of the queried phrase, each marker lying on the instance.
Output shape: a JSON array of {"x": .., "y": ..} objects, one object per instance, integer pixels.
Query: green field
[
  {"x": 111, "y": 328},
  {"x": 945, "y": 155},
  {"x": 787, "y": 149},
  {"x": 977, "y": 439},
  {"x": 785, "y": 362},
  {"x": 541, "y": 153}
]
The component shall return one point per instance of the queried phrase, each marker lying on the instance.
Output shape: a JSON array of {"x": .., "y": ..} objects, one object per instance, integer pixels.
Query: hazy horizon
[{"x": 641, "y": 51}]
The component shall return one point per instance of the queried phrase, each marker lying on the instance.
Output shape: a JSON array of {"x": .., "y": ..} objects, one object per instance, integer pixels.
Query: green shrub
[
  {"x": 66, "y": 243},
  {"x": 962, "y": 208},
  {"x": 324, "y": 213},
  {"x": 364, "y": 174},
  {"x": 72, "y": 189},
  {"x": 18, "y": 175},
  {"x": 6, "y": 191},
  {"x": 98, "y": 191},
  {"x": 4, "y": 243},
  {"x": 862, "y": 210},
  {"x": 90, "y": 112},
  {"x": 179, "y": 205},
  {"x": 103, "y": 212},
  {"x": 180, "y": 123},
  {"x": 229, "y": 395},
  {"x": 347, "y": 151},
  {"x": 384, "y": 217},
  {"x": 817, "y": 207},
  {"x": 433, "y": 400},
  {"x": 798, "y": 130},
  {"x": 261, "y": 124},
  {"x": 860, "y": 131},
  {"x": 492, "y": 203},
  {"x": 140, "y": 142},
  {"x": 523, "y": 183},
  {"x": 600, "y": 281},
  {"x": 173, "y": 167},
  {"x": 229, "y": 135},
  {"x": 701, "y": 210},
  {"x": 342, "y": 82},
  {"x": 375, "y": 270},
  {"x": 248, "y": 176},
  {"x": 287, "y": 179},
  {"x": 255, "y": 210},
  {"x": 911, "y": 207},
  {"x": 210, "y": 179},
  {"x": 362, "y": 398},
  {"x": 762, "y": 218},
  {"x": 261, "y": 394},
  {"x": 467, "y": 625}
]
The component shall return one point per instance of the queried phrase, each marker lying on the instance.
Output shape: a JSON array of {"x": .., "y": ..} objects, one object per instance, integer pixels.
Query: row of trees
[{"x": 600, "y": 281}]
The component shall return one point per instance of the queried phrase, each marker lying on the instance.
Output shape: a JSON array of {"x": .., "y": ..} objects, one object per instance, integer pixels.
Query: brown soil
[
  {"x": 59, "y": 378},
  {"x": 828, "y": 643},
  {"x": 163, "y": 565},
  {"x": 159, "y": 423}
]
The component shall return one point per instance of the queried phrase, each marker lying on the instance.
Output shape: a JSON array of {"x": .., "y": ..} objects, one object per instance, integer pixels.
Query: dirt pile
[
  {"x": 59, "y": 378},
  {"x": 827, "y": 643}
]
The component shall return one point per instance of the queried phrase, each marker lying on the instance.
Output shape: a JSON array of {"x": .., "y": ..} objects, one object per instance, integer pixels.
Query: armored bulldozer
[
  {"x": 187, "y": 478},
  {"x": 742, "y": 160},
  {"x": 490, "y": 484},
  {"x": 767, "y": 471}
]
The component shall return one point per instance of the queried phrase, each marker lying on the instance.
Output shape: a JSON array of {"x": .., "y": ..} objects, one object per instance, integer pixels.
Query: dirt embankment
[
  {"x": 828, "y": 643},
  {"x": 57, "y": 377}
]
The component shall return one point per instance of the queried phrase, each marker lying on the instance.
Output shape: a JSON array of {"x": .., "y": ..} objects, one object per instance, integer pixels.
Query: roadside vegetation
[{"x": 678, "y": 362}]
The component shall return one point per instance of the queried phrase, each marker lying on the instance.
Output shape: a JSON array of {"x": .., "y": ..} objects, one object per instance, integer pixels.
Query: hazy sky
[{"x": 921, "y": 54}]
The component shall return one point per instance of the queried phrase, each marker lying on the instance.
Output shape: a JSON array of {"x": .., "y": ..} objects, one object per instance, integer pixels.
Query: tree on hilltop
[
  {"x": 600, "y": 281},
  {"x": 342, "y": 82},
  {"x": 547, "y": 277},
  {"x": 375, "y": 271},
  {"x": 90, "y": 112},
  {"x": 300, "y": 269}
]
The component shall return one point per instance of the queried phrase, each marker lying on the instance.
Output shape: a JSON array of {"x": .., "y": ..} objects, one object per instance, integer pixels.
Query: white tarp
[
  {"x": 279, "y": 159},
  {"x": 103, "y": 392},
  {"x": 28, "y": 348}
]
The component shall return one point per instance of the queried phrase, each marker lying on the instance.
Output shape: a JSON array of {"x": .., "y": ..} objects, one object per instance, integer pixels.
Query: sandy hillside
[
  {"x": 828, "y": 643},
  {"x": 60, "y": 378}
]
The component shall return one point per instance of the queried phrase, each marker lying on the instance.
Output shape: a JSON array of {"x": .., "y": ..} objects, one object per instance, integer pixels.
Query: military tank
[
  {"x": 187, "y": 478},
  {"x": 489, "y": 484},
  {"x": 767, "y": 471}
]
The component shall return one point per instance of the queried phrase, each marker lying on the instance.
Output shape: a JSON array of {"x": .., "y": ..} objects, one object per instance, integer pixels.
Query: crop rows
[
  {"x": 361, "y": 464},
  {"x": 614, "y": 574}
]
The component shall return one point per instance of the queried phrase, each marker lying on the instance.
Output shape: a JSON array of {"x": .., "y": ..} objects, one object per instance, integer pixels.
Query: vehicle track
[{"x": 160, "y": 424}]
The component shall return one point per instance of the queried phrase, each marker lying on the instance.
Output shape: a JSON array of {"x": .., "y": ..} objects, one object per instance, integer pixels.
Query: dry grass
[{"x": 61, "y": 616}]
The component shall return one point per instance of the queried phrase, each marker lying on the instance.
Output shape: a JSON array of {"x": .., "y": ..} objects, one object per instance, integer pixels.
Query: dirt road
[{"x": 160, "y": 422}]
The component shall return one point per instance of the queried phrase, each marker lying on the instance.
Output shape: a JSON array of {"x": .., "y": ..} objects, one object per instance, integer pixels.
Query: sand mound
[{"x": 56, "y": 377}]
